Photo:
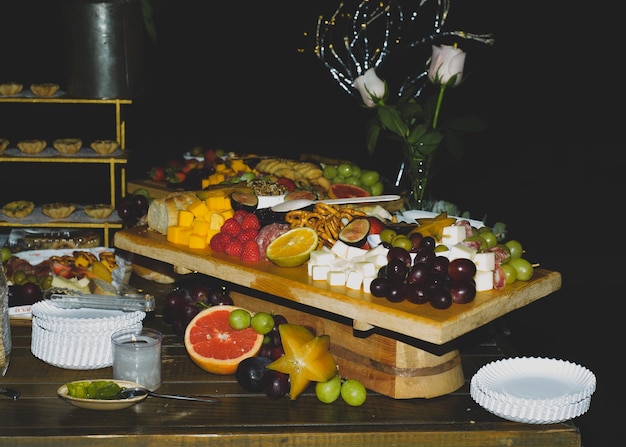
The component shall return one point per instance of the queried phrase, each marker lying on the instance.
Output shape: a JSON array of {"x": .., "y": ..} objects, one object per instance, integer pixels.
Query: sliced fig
[
  {"x": 355, "y": 232},
  {"x": 241, "y": 200},
  {"x": 300, "y": 194}
]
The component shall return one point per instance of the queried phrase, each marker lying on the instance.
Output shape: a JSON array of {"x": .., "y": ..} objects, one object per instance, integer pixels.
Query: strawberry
[
  {"x": 239, "y": 215},
  {"x": 176, "y": 177},
  {"x": 234, "y": 247},
  {"x": 157, "y": 173},
  {"x": 210, "y": 156},
  {"x": 287, "y": 183},
  {"x": 251, "y": 222},
  {"x": 231, "y": 226},
  {"x": 250, "y": 252},
  {"x": 220, "y": 241},
  {"x": 247, "y": 235}
]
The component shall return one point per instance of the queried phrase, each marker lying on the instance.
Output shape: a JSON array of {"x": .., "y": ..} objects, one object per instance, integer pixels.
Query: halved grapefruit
[
  {"x": 343, "y": 191},
  {"x": 214, "y": 345}
]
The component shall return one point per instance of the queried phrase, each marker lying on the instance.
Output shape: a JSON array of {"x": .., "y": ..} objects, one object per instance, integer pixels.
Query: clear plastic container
[{"x": 5, "y": 325}]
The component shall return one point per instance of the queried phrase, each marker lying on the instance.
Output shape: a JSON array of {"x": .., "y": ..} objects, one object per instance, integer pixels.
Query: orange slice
[
  {"x": 293, "y": 248},
  {"x": 215, "y": 346}
]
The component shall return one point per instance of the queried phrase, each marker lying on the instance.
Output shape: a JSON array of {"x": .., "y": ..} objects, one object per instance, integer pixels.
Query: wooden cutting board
[{"x": 422, "y": 322}]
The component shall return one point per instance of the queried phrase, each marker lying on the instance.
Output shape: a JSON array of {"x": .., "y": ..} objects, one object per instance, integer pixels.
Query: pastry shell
[
  {"x": 10, "y": 88},
  {"x": 4, "y": 143},
  {"x": 98, "y": 210},
  {"x": 46, "y": 89},
  {"x": 105, "y": 147},
  {"x": 19, "y": 208},
  {"x": 58, "y": 210},
  {"x": 32, "y": 146},
  {"x": 68, "y": 146}
]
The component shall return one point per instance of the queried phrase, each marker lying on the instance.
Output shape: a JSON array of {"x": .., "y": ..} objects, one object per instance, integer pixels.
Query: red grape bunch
[
  {"x": 428, "y": 278},
  {"x": 185, "y": 302}
]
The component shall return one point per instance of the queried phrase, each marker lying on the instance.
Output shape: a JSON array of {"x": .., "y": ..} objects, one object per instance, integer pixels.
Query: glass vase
[{"x": 418, "y": 170}]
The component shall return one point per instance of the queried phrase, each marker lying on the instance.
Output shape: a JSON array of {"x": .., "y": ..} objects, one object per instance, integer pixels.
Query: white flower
[
  {"x": 446, "y": 62},
  {"x": 371, "y": 87}
]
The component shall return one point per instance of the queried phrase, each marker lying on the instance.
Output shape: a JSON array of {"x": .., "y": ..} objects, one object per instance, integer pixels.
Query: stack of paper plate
[
  {"x": 77, "y": 338},
  {"x": 533, "y": 390}
]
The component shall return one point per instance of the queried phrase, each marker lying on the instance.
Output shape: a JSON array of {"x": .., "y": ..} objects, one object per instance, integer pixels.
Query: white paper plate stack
[
  {"x": 77, "y": 338},
  {"x": 533, "y": 390}
]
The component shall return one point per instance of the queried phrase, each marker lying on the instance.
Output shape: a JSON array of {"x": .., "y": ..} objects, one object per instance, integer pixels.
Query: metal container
[{"x": 104, "y": 48}]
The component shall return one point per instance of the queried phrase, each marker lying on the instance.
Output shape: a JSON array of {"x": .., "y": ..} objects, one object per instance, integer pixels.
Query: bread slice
[
  {"x": 163, "y": 212},
  {"x": 99, "y": 286}
]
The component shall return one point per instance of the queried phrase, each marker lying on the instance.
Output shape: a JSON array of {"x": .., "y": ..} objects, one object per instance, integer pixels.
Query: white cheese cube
[
  {"x": 320, "y": 272},
  {"x": 377, "y": 260},
  {"x": 354, "y": 280},
  {"x": 322, "y": 256},
  {"x": 484, "y": 280},
  {"x": 380, "y": 212},
  {"x": 340, "y": 249},
  {"x": 485, "y": 261},
  {"x": 353, "y": 252},
  {"x": 378, "y": 250},
  {"x": 461, "y": 251},
  {"x": 336, "y": 278},
  {"x": 367, "y": 281},
  {"x": 340, "y": 265},
  {"x": 453, "y": 235},
  {"x": 367, "y": 268}
]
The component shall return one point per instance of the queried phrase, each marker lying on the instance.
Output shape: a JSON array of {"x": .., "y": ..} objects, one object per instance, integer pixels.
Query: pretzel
[{"x": 326, "y": 220}]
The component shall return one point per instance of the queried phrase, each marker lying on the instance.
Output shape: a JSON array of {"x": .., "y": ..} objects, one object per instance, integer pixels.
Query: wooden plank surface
[
  {"x": 40, "y": 418},
  {"x": 422, "y": 322}
]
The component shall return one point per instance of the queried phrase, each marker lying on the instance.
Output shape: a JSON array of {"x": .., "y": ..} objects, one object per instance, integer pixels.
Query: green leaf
[
  {"x": 455, "y": 145},
  {"x": 428, "y": 143},
  {"x": 392, "y": 121},
  {"x": 416, "y": 134},
  {"x": 373, "y": 132},
  {"x": 411, "y": 109}
]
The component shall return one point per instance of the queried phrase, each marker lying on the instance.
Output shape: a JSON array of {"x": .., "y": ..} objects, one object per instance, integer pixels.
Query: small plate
[
  {"x": 533, "y": 389},
  {"x": 101, "y": 404}
]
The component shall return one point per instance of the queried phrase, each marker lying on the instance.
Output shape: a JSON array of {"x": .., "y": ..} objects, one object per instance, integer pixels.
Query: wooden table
[{"x": 40, "y": 418}]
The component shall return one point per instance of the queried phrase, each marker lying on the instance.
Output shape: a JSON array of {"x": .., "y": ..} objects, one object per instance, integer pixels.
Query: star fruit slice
[
  {"x": 433, "y": 226},
  {"x": 306, "y": 358}
]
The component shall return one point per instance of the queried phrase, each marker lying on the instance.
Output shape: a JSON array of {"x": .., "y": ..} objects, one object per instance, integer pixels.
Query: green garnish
[{"x": 98, "y": 389}]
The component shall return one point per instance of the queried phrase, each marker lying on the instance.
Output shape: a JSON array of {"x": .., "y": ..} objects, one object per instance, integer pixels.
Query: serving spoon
[
  {"x": 129, "y": 393},
  {"x": 9, "y": 392},
  {"x": 290, "y": 205}
]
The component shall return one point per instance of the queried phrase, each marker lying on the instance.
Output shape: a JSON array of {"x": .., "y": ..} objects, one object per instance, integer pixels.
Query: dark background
[{"x": 231, "y": 75}]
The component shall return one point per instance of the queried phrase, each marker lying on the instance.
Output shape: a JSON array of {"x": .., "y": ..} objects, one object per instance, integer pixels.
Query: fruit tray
[{"x": 402, "y": 350}]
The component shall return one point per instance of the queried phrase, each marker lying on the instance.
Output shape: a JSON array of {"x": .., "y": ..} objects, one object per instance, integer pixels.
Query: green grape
[
  {"x": 353, "y": 392},
  {"x": 262, "y": 323},
  {"x": 523, "y": 268},
  {"x": 401, "y": 240},
  {"x": 339, "y": 179},
  {"x": 369, "y": 178},
  {"x": 352, "y": 180},
  {"x": 387, "y": 235},
  {"x": 239, "y": 319},
  {"x": 330, "y": 172},
  {"x": 490, "y": 239},
  {"x": 377, "y": 188},
  {"x": 5, "y": 254},
  {"x": 509, "y": 273},
  {"x": 329, "y": 391},
  {"x": 344, "y": 170},
  {"x": 247, "y": 176},
  {"x": 515, "y": 248},
  {"x": 356, "y": 171}
]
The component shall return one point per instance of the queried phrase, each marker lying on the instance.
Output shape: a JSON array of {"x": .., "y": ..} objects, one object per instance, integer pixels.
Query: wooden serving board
[{"x": 422, "y": 322}]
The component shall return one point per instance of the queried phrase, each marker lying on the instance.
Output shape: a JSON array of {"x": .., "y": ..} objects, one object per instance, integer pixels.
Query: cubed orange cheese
[
  {"x": 185, "y": 218},
  {"x": 197, "y": 241},
  {"x": 200, "y": 227},
  {"x": 220, "y": 167},
  {"x": 238, "y": 165},
  {"x": 217, "y": 203},
  {"x": 210, "y": 235},
  {"x": 216, "y": 222},
  {"x": 198, "y": 208},
  {"x": 228, "y": 213},
  {"x": 178, "y": 234}
]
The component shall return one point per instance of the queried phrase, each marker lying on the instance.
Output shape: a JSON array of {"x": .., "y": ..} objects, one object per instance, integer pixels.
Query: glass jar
[{"x": 5, "y": 325}]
